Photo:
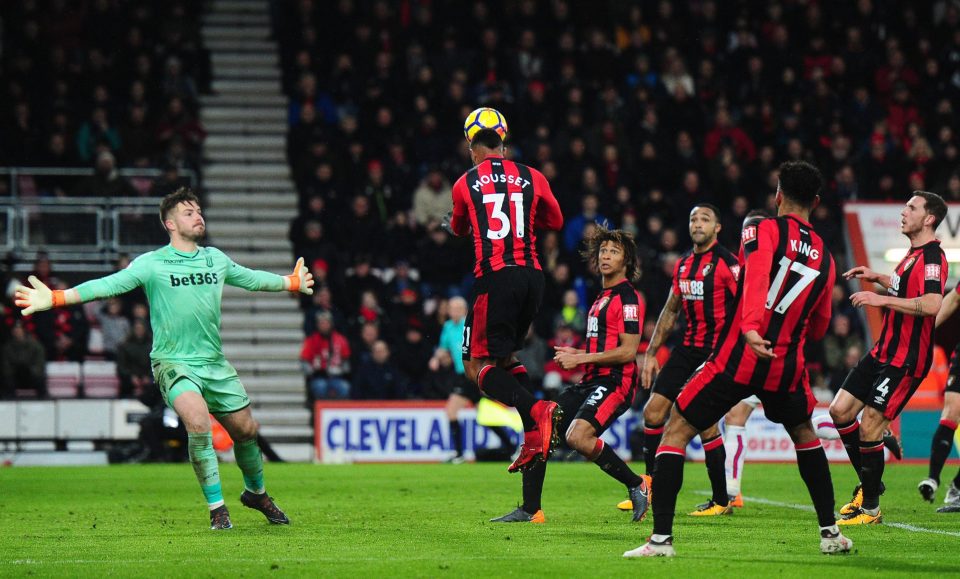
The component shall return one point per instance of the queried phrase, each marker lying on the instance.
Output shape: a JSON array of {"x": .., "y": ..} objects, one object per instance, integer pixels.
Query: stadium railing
[{"x": 77, "y": 233}]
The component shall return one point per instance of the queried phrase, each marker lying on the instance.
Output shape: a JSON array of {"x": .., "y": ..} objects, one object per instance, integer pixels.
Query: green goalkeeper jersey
[{"x": 184, "y": 291}]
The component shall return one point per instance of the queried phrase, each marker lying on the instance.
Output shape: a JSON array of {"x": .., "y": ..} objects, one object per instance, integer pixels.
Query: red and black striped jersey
[
  {"x": 907, "y": 341},
  {"x": 617, "y": 310},
  {"x": 784, "y": 294},
  {"x": 707, "y": 286},
  {"x": 502, "y": 202}
]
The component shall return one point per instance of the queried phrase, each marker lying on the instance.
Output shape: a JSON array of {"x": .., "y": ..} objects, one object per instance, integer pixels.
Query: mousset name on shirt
[
  {"x": 193, "y": 279},
  {"x": 499, "y": 178}
]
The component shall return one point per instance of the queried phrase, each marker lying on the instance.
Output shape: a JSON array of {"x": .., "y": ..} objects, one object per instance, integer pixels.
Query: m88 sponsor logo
[{"x": 691, "y": 289}]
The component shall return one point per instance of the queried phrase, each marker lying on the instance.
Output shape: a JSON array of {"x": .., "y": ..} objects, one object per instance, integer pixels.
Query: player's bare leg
[
  {"x": 735, "y": 441},
  {"x": 940, "y": 448},
  {"x": 582, "y": 437},
  {"x": 243, "y": 430},
  {"x": 872, "y": 426},
  {"x": 192, "y": 410},
  {"x": 815, "y": 472}
]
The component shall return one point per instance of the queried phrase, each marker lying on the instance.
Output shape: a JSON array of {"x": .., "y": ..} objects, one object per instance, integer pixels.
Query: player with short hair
[
  {"x": 885, "y": 379},
  {"x": 501, "y": 203},
  {"x": 704, "y": 288},
  {"x": 184, "y": 284},
  {"x": 609, "y": 382},
  {"x": 784, "y": 293},
  {"x": 942, "y": 443}
]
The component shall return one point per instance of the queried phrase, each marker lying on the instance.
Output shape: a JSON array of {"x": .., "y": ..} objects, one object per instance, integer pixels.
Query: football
[{"x": 484, "y": 118}]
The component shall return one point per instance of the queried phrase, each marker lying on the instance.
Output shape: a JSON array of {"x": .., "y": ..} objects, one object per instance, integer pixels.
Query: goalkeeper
[{"x": 184, "y": 284}]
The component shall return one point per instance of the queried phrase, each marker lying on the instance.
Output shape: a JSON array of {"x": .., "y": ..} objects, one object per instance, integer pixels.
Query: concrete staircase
[{"x": 251, "y": 200}]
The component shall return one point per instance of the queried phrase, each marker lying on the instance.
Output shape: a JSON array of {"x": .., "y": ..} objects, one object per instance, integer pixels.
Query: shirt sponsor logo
[
  {"x": 631, "y": 313},
  {"x": 593, "y": 327},
  {"x": 193, "y": 279},
  {"x": 691, "y": 289},
  {"x": 749, "y": 234},
  {"x": 931, "y": 272}
]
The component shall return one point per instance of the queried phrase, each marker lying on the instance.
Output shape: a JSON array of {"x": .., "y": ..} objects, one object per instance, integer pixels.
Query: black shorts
[
  {"x": 599, "y": 403},
  {"x": 504, "y": 305},
  {"x": 881, "y": 386},
  {"x": 463, "y": 386},
  {"x": 953, "y": 379},
  {"x": 711, "y": 393},
  {"x": 679, "y": 368}
]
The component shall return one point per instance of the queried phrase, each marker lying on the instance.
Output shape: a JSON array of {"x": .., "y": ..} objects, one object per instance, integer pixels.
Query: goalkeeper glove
[
  {"x": 39, "y": 298},
  {"x": 301, "y": 280}
]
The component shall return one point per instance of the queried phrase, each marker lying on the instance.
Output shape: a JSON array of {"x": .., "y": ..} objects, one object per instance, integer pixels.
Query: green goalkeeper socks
[
  {"x": 250, "y": 462},
  {"x": 204, "y": 460}
]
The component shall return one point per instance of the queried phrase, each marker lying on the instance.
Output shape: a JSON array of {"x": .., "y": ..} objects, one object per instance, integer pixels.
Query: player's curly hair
[
  {"x": 600, "y": 235},
  {"x": 170, "y": 202}
]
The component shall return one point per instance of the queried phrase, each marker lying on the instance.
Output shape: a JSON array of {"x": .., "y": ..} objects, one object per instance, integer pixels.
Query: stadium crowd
[
  {"x": 102, "y": 85},
  {"x": 634, "y": 111}
]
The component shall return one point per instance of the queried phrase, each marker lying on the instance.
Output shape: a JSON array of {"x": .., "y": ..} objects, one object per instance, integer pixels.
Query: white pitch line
[{"x": 810, "y": 509}]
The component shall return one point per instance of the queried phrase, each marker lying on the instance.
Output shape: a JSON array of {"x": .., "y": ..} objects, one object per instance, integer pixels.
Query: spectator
[
  {"x": 572, "y": 313},
  {"x": 431, "y": 200},
  {"x": 837, "y": 342},
  {"x": 113, "y": 325},
  {"x": 413, "y": 354},
  {"x": 106, "y": 181},
  {"x": 573, "y": 230},
  {"x": 95, "y": 136},
  {"x": 441, "y": 377},
  {"x": 24, "y": 364},
  {"x": 133, "y": 361},
  {"x": 326, "y": 361},
  {"x": 378, "y": 378}
]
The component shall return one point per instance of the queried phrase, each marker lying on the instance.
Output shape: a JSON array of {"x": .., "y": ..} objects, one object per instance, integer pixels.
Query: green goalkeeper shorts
[{"x": 217, "y": 382}]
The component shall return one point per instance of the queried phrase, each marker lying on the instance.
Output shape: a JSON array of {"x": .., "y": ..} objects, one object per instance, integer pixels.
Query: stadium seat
[
  {"x": 63, "y": 379},
  {"x": 100, "y": 379}
]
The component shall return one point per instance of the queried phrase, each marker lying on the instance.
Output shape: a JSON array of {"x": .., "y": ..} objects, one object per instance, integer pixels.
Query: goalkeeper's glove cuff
[
  {"x": 294, "y": 285},
  {"x": 58, "y": 298}
]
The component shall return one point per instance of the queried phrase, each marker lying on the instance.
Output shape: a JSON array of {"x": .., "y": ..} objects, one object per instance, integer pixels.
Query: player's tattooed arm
[{"x": 923, "y": 306}]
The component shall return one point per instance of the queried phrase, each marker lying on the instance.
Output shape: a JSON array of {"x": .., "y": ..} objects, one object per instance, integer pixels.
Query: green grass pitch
[{"x": 431, "y": 520}]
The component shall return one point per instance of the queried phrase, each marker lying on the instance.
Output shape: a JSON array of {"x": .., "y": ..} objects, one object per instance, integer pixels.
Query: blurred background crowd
[{"x": 634, "y": 111}]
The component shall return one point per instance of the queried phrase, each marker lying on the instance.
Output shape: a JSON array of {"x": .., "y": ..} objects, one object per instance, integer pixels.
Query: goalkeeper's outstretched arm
[
  {"x": 301, "y": 280},
  {"x": 40, "y": 298}
]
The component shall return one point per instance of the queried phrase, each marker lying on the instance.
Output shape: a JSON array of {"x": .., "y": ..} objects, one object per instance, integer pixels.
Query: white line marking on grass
[{"x": 810, "y": 509}]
